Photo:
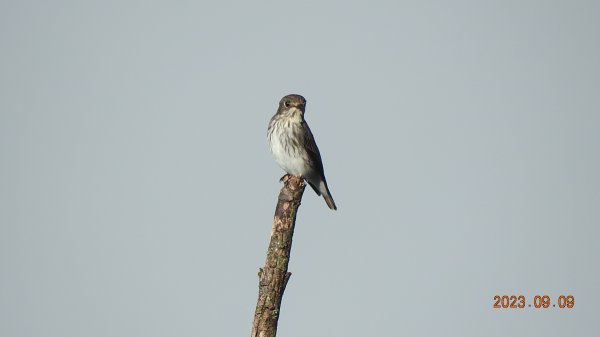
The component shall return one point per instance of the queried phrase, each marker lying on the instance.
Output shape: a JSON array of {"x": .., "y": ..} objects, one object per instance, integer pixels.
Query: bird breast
[{"x": 288, "y": 149}]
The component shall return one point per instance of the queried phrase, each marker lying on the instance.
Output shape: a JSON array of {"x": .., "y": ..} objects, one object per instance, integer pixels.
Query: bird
[{"x": 294, "y": 148}]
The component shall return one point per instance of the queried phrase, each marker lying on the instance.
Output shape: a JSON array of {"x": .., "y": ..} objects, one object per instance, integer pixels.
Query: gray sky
[{"x": 460, "y": 142}]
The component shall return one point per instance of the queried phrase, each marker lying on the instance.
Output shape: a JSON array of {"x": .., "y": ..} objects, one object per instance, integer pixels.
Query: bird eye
[{"x": 287, "y": 104}]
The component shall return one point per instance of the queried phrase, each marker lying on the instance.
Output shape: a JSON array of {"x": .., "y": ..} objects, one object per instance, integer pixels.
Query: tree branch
[{"x": 274, "y": 276}]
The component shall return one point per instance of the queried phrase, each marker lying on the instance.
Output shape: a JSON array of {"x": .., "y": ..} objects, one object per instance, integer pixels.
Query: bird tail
[{"x": 327, "y": 195}]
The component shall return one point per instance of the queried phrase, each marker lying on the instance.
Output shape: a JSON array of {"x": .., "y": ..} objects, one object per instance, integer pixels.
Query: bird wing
[{"x": 313, "y": 151}]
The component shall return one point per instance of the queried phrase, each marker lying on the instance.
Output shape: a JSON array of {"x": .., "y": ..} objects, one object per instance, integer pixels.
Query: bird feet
[{"x": 287, "y": 177}]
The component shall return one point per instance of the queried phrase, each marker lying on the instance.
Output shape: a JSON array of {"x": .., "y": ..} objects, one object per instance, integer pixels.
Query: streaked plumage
[{"x": 294, "y": 147}]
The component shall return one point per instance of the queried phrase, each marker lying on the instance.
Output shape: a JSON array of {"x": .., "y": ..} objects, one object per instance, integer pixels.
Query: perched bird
[{"x": 294, "y": 146}]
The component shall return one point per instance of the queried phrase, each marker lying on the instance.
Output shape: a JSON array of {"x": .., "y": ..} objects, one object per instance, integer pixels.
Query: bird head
[{"x": 292, "y": 104}]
